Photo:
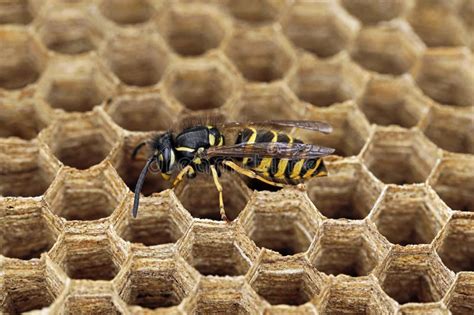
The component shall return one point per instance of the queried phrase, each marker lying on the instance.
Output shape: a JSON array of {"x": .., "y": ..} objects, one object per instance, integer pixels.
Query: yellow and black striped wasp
[{"x": 259, "y": 151}]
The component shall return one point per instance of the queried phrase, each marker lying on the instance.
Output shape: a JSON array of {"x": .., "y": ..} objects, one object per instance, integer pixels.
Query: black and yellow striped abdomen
[{"x": 290, "y": 171}]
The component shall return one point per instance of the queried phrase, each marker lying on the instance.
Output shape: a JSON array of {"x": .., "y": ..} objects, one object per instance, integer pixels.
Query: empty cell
[
  {"x": 325, "y": 82},
  {"x": 372, "y": 12},
  {"x": 28, "y": 285},
  {"x": 21, "y": 58},
  {"x": 127, "y": 11},
  {"x": 192, "y": 30},
  {"x": 414, "y": 275},
  {"x": 76, "y": 85},
  {"x": 285, "y": 280},
  {"x": 26, "y": 229},
  {"x": 455, "y": 246},
  {"x": 320, "y": 27},
  {"x": 410, "y": 215},
  {"x": 218, "y": 250},
  {"x": 453, "y": 182},
  {"x": 390, "y": 48},
  {"x": 399, "y": 156},
  {"x": 81, "y": 141},
  {"x": 268, "y": 102},
  {"x": 447, "y": 75},
  {"x": 20, "y": 119},
  {"x": 393, "y": 101},
  {"x": 459, "y": 299},
  {"x": 349, "y": 191},
  {"x": 350, "y": 128},
  {"x": 255, "y": 12},
  {"x": 156, "y": 281},
  {"x": 160, "y": 220},
  {"x": 15, "y": 12},
  {"x": 69, "y": 31},
  {"x": 260, "y": 56},
  {"x": 191, "y": 191},
  {"x": 450, "y": 128},
  {"x": 200, "y": 85},
  {"x": 136, "y": 59},
  {"x": 26, "y": 170},
  {"x": 425, "y": 19},
  {"x": 283, "y": 221},
  {"x": 349, "y": 248},
  {"x": 144, "y": 112},
  {"x": 355, "y": 296},
  {"x": 85, "y": 196}
]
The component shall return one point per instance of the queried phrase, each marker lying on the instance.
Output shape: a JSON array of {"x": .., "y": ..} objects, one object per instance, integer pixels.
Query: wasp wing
[
  {"x": 281, "y": 150},
  {"x": 320, "y": 126}
]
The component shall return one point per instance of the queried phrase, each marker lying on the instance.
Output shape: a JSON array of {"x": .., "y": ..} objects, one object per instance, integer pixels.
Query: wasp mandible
[{"x": 259, "y": 151}]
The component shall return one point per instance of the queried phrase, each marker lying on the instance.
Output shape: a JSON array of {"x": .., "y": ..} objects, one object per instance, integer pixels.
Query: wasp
[{"x": 259, "y": 151}]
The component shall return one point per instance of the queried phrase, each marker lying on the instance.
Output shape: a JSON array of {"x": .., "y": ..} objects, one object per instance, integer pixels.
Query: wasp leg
[
  {"x": 137, "y": 149},
  {"x": 219, "y": 189},
  {"x": 250, "y": 173},
  {"x": 181, "y": 174}
]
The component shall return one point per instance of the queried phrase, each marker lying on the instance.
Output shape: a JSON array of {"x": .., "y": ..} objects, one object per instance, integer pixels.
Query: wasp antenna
[
  {"x": 138, "y": 187},
  {"x": 137, "y": 149}
]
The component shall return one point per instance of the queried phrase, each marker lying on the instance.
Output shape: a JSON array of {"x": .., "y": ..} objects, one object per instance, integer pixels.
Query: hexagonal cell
[
  {"x": 90, "y": 297},
  {"x": 29, "y": 285},
  {"x": 192, "y": 29},
  {"x": 26, "y": 228},
  {"x": 372, "y": 12},
  {"x": 450, "y": 128},
  {"x": 22, "y": 59},
  {"x": 82, "y": 141},
  {"x": 90, "y": 255},
  {"x": 366, "y": 297},
  {"x": 455, "y": 245},
  {"x": 390, "y": 48},
  {"x": 425, "y": 17},
  {"x": 393, "y": 101},
  {"x": 161, "y": 220},
  {"x": 69, "y": 30},
  {"x": 453, "y": 181},
  {"x": 350, "y": 191},
  {"x": 255, "y": 12},
  {"x": 146, "y": 111},
  {"x": 399, "y": 156},
  {"x": 15, "y": 12},
  {"x": 350, "y": 132},
  {"x": 129, "y": 169},
  {"x": 224, "y": 296},
  {"x": 285, "y": 280},
  {"x": 350, "y": 248},
  {"x": 235, "y": 193},
  {"x": 447, "y": 75},
  {"x": 268, "y": 101},
  {"x": 136, "y": 59},
  {"x": 76, "y": 85},
  {"x": 410, "y": 215},
  {"x": 325, "y": 82},
  {"x": 127, "y": 11},
  {"x": 284, "y": 221},
  {"x": 91, "y": 195},
  {"x": 19, "y": 119},
  {"x": 218, "y": 250},
  {"x": 260, "y": 56},
  {"x": 201, "y": 84},
  {"x": 27, "y": 170},
  {"x": 320, "y": 27},
  {"x": 162, "y": 280},
  {"x": 414, "y": 275},
  {"x": 460, "y": 299},
  {"x": 438, "y": 308}
]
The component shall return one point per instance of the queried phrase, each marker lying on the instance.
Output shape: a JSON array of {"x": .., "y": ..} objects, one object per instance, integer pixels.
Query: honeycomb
[{"x": 389, "y": 231}]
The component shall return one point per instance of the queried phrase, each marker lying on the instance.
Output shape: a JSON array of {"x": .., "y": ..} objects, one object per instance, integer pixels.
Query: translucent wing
[
  {"x": 269, "y": 149},
  {"x": 320, "y": 126}
]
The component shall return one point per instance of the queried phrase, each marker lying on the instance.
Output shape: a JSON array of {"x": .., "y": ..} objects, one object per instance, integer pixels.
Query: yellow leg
[
  {"x": 181, "y": 174},
  {"x": 250, "y": 173},
  {"x": 219, "y": 189}
]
